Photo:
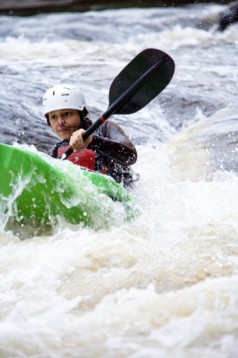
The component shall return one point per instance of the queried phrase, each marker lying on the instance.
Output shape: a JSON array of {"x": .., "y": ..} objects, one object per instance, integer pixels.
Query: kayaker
[{"x": 108, "y": 150}]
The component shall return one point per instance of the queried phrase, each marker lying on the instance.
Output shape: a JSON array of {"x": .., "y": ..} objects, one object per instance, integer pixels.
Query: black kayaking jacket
[{"x": 113, "y": 150}]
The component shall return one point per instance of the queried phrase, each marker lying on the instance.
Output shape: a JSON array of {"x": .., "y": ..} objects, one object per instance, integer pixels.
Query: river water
[{"x": 165, "y": 284}]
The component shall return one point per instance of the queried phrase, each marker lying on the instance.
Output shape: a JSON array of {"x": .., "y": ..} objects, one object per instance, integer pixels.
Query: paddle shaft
[{"x": 119, "y": 102}]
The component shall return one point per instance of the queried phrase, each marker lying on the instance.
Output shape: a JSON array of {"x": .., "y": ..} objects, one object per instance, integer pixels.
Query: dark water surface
[{"x": 31, "y": 7}]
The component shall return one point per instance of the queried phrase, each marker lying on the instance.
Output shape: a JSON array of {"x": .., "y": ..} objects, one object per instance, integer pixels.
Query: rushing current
[{"x": 164, "y": 284}]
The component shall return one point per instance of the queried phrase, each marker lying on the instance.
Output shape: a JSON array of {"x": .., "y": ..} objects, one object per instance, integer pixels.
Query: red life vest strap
[{"x": 84, "y": 157}]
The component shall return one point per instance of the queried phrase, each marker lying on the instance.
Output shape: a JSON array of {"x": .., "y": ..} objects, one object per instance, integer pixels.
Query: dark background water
[
  {"x": 30, "y": 7},
  {"x": 32, "y": 57}
]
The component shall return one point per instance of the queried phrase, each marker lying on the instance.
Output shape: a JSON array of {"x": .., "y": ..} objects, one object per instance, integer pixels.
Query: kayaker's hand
[{"x": 77, "y": 142}]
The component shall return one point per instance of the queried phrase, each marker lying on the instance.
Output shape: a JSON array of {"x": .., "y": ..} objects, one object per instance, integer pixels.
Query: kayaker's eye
[{"x": 52, "y": 117}]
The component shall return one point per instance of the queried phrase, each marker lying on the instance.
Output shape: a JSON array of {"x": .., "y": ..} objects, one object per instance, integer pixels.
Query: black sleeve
[{"x": 112, "y": 141}]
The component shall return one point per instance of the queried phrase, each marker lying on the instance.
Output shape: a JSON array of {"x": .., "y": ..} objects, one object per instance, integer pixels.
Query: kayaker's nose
[{"x": 61, "y": 121}]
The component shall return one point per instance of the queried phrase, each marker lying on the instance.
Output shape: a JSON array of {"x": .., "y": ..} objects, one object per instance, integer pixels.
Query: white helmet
[{"x": 62, "y": 97}]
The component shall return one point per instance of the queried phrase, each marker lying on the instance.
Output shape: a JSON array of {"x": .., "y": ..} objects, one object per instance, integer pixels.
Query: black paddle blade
[
  {"x": 135, "y": 86},
  {"x": 142, "y": 79}
]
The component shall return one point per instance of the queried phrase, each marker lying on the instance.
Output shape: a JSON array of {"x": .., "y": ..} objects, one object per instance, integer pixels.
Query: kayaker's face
[{"x": 64, "y": 122}]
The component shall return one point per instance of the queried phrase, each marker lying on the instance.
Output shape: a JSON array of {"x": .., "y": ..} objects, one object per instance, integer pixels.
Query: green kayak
[{"x": 39, "y": 191}]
